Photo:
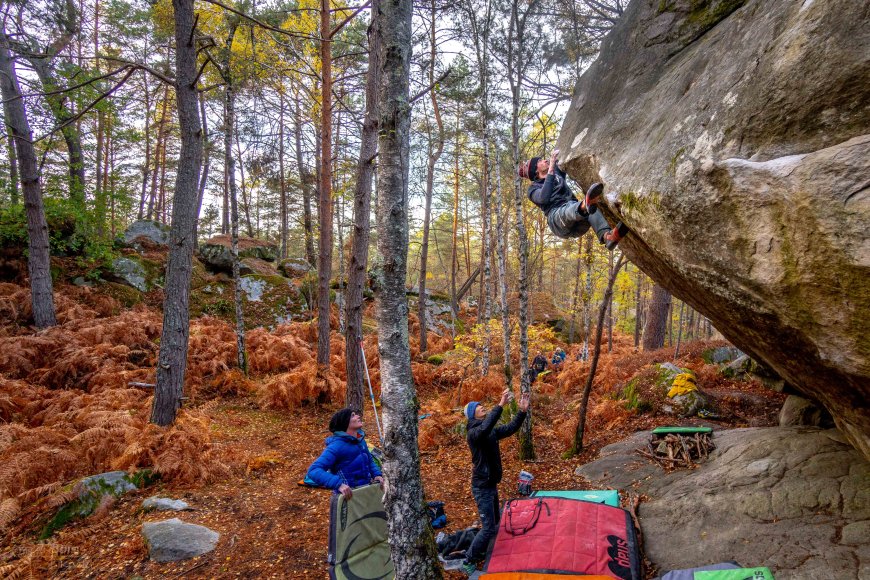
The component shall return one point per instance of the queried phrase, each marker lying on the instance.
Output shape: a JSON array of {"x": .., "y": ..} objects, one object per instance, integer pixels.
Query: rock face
[
  {"x": 153, "y": 231},
  {"x": 217, "y": 255},
  {"x": 172, "y": 540},
  {"x": 733, "y": 137},
  {"x": 794, "y": 499}
]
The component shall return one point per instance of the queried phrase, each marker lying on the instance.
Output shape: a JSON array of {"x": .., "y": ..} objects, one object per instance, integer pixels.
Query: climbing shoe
[
  {"x": 592, "y": 194},
  {"x": 468, "y": 568},
  {"x": 611, "y": 238}
]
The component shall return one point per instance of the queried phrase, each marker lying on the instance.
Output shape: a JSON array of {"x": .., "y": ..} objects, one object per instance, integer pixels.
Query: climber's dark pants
[
  {"x": 566, "y": 221},
  {"x": 486, "y": 499}
]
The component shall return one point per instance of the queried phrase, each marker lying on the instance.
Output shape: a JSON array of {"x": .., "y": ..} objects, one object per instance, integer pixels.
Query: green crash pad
[
  {"x": 358, "y": 545},
  {"x": 736, "y": 574},
  {"x": 606, "y": 496},
  {"x": 681, "y": 430}
]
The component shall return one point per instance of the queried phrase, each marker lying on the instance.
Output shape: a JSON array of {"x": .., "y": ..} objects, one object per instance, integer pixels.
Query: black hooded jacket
[
  {"x": 483, "y": 437},
  {"x": 551, "y": 192}
]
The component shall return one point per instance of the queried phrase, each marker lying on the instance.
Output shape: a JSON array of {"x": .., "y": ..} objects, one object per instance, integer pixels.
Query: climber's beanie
[
  {"x": 529, "y": 169},
  {"x": 340, "y": 421},
  {"x": 469, "y": 409}
]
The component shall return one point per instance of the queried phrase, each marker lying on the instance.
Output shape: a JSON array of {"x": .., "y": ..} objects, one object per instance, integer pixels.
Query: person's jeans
[
  {"x": 567, "y": 221},
  {"x": 486, "y": 499}
]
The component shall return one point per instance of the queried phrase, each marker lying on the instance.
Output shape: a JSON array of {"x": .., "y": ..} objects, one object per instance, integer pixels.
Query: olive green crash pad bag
[{"x": 358, "y": 545}]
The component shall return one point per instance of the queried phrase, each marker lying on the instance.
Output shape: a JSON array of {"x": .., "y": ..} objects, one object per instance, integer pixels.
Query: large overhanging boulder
[{"x": 733, "y": 139}]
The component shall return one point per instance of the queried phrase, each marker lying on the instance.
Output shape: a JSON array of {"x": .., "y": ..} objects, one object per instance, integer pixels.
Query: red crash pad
[{"x": 565, "y": 536}]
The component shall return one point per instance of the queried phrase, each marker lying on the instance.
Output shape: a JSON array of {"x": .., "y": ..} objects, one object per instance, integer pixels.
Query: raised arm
[
  {"x": 507, "y": 430},
  {"x": 485, "y": 426}
]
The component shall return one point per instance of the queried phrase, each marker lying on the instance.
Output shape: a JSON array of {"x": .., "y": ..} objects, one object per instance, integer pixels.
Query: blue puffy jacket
[{"x": 346, "y": 459}]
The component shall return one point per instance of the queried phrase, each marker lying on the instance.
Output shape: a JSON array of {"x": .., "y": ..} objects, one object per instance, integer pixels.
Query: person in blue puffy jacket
[{"x": 346, "y": 462}]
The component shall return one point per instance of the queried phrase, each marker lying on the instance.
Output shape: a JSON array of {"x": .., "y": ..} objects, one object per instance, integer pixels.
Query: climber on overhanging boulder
[{"x": 567, "y": 217}]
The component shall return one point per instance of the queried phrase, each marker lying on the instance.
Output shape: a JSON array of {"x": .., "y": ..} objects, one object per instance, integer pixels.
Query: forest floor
[{"x": 270, "y": 526}]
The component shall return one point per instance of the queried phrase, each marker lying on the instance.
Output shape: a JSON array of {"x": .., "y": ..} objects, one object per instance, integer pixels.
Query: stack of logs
[{"x": 672, "y": 450}]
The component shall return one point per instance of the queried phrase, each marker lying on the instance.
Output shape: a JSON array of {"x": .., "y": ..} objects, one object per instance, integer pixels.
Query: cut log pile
[{"x": 672, "y": 450}]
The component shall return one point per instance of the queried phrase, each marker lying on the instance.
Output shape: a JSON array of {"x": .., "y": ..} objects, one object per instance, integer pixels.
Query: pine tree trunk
[
  {"x": 410, "y": 536},
  {"x": 575, "y": 299},
  {"x": 515, "y": 74},
  {"x": 679, "y": 330},
  {"x": 577, "y": 446},
  {"x": 230, "y": 163},
  {"x": 610, "y": 307},
  {"x": 587, "y": 301},
  {"x": 305, "y": 178},
  {"x": 454, "y": 254},
  {"x": 172, "y": 360},
  {"x": 206, "y": 163},
  {"x": 282, "y": 183},
  {"x": 146, "y": 167},
  {"x": 38, "y": 259},
  {"x": 638, "y": 311},
  {"x": 362, "y": 195},
  {"x": 324, "y": 261},
  {"x": 434, "y": 155},
  {"x": 62, "y": 115},
  {"x": 13, "y": 169},
  {"x": 656, "y": 319}
]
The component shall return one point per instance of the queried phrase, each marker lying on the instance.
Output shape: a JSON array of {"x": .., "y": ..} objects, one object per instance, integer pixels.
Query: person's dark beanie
[
  {"x": 340, "y": 420},
  {"x": 529, "y": 169}
]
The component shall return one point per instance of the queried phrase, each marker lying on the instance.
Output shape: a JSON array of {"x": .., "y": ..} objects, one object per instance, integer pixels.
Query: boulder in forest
[
  {"x": 173, "y": 540},
  {"x": 795, "y": 499},
  {"x": 217, "y": 255},
  {"x": 733, "y": 138},
  {"x": 136, "y": 272},
  {"x": 150, "y": 230},
  {"x": 800, "y": 411},
  {"x": 295, "y": 267}
]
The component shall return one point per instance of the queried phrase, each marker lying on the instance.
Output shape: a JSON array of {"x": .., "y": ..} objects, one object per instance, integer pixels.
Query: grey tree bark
[
  {"x": 434, "y": 154},
  {"x": 656, "y": 319},
  {"x": 230, "y": 164},
  {"x": 13, "y": 169},
  {"x": 38, "y": 259},
  {"x": 306, "y": 179},
  {"x": 410, "y": 536},
  {"x": 501, "y": 248},
  {"x": 324, "y": 256},
  {"x": 362, "y": 195},
  {"x": 172, "y": 360},
  {"x": 40, "y": 59},
  {"x": 515, "y": 41}
]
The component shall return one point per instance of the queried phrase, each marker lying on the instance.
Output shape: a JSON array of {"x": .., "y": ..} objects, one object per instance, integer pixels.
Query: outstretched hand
[
  {"x": 524, "y": 403},
  {"x": 505, "y": 397}
]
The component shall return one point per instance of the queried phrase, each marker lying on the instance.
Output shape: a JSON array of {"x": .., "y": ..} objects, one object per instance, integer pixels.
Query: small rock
[
  {"x": 79, "y": 281},
  {"x": 737, "y": 367},
  {"x": 164, "y": 504},
  {"x": 173, "y": 540},
  {"x": 130, "y": 272},
  {"x": 116, "y": 482},
  {"x": 722, "y": 354},
  {"x": 217, "y": 255}
]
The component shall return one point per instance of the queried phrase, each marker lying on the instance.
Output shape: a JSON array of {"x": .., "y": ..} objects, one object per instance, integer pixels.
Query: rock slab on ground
[
  {"x": 115, "y": 482},
  {"x": 131, "y": 273},
  {"x": 795, "y": 499},
  {"x": 173, "y": 540},
  {"x": 744, "y": 178},
  {"x": 164, "y": 504}
]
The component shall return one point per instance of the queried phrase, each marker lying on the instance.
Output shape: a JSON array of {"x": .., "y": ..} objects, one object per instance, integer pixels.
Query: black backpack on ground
[{"x": 453, "y": 546}]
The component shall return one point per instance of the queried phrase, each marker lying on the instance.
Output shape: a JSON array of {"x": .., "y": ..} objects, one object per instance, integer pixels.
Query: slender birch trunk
[{"x": 410, "y": 536}]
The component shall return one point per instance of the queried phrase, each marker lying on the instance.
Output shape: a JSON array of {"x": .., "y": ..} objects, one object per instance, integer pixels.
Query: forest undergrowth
[{"x": 75, "y": 401}]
